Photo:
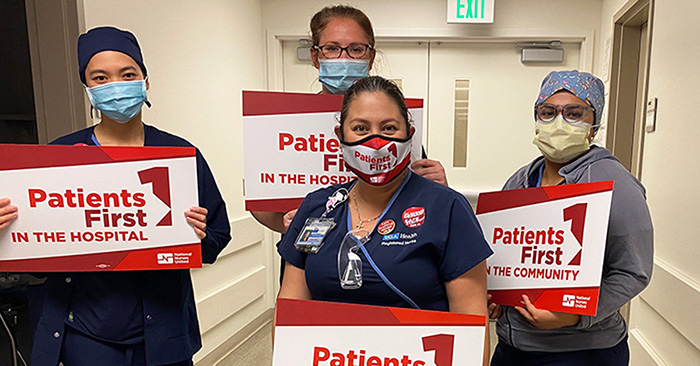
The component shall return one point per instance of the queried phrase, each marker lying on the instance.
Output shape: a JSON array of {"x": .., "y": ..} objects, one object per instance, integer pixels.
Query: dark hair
[
  {"x": 374, "y": 84},
  {"x": 321, "y": 19}
]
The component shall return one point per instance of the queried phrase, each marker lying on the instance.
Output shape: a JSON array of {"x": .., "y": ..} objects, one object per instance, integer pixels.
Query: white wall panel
[
  {"x": 641, "y": 353},
  {"x": 665, "y": 340},
  {"x": 229, "y": 300},
  {"x": 676, "y": 298}
]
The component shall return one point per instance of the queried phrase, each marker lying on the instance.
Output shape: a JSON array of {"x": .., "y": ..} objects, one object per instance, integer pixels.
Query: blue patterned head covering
[
  {"x": 101, "y": 39},
  {"x": 583, "y": 85}
]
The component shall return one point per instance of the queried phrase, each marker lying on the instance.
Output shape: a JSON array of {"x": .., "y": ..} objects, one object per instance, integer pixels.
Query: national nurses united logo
[{"x": 413, "y": 217}]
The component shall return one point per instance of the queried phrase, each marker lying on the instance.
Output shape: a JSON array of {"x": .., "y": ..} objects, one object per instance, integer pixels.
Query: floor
[{"x": 257, "y": 350}]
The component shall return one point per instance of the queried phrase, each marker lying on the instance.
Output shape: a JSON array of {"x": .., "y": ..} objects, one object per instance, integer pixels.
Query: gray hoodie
[{"x": 629, "y": 254}]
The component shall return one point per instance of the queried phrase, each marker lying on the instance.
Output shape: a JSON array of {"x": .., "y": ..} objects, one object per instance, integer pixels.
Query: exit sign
[{"x": 470, "y": 11}]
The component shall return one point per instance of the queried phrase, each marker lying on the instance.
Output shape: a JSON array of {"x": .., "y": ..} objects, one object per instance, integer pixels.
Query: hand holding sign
[
  {"x": 545, "y": 319},
  {"x": 8, "y": 212},
  {"x": 288, "y": 217},
  {"x": 197, "y": 217},
  {"x": 430, "y": 169}
]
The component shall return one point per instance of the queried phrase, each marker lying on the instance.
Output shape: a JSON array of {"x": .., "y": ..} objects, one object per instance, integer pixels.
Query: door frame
[
  {"x": 627, "y": 97},
  {"x": 59, "y": 100}
]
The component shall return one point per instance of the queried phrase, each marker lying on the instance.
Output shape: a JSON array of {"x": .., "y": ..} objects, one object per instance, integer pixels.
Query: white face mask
[
  {"x": 377, "y": 159},
  {"x": 562, "y": 141}
]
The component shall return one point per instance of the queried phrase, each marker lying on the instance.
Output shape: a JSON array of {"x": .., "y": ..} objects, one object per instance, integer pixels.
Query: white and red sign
[
  {"x": 98, "y": 208},
  {"x": 335, "y": 334},
  {"x": 548, "y": 243},
  {"x": 290, "y": 148}
]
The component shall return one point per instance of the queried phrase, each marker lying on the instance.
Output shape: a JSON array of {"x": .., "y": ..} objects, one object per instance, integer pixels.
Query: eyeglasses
[
  {"x": 354, "y": 50},
  {"x": 570, "y": 112}
]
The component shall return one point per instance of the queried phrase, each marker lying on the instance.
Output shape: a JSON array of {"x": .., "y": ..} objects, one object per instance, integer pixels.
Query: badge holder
[
  {"x": 349, "y": 263},
  {"x": 312, "y": 235}
]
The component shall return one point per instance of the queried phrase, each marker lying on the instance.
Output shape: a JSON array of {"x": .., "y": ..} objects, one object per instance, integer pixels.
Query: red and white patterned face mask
[{"x": 377, "y": 159}]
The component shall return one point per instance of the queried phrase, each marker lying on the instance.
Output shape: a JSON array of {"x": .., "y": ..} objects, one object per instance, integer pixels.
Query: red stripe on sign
[
  {"x": 552, "y": 299},
  {"x": 73, "y": 263},
  {"x": 413, "y": 317},
  {"x": 273, "y": 205},
  {"x": 582, "y": 301},
  {"x": 147, "y": 153},
  {"x": 256, "y": 103},
  {"x": 414, "y": 103},
  {"x": 579, "y": 189},
  {"x": 259, "y": 103},
  {"x": 175, "y": 257},
  {"x": 17, "y": 157},
  {"x": 318, "y": 313},
  {"x": 112, "y": 261},
  {"x": 503, "y": 200}
]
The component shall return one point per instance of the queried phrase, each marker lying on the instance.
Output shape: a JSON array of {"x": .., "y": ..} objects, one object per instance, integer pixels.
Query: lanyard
[{"x": 369, "y": 257}]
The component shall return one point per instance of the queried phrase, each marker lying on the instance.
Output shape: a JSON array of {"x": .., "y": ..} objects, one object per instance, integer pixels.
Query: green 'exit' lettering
[{"x": 475, "y": 9}]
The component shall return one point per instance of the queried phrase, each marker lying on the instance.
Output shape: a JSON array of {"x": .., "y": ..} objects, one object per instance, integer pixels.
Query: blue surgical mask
[
  {"x": 338, "y": 74},
  {"x": 120, "y": 100}
]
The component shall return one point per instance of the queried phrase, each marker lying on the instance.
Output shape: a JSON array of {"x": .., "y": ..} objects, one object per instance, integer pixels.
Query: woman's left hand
[
  {"x": 197, "y": 217},
  {"x": 545, "y": 319},
  {"x": 430, "y": 169}
]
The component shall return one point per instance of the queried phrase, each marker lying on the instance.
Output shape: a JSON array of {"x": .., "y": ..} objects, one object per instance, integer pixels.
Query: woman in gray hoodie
[{"x": 567, "y": 115}]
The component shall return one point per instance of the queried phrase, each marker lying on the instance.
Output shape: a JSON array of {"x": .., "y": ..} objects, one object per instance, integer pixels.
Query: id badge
[{"x": 313, "y": 234}]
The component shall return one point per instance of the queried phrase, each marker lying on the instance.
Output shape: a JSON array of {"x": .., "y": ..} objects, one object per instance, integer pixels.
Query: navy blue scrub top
[
  {"x": 152, "y": 307},
  {"x": 418, "y": 260}
]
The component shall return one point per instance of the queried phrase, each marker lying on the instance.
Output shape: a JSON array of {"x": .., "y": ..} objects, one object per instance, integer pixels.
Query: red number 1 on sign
[{"x": 443, "y": 345}]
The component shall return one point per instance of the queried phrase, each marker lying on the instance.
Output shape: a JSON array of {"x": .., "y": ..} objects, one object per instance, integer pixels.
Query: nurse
[
  {"x": 568, "y": 111},
  {"x": 126, "y": 318},
  {"x": 343, "y": 52},
  {"x": 396, "y": 238}
]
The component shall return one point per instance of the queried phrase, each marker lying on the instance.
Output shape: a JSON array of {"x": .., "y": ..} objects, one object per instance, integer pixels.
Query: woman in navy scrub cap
[
  {"x": 125, "y": 318},
  {"x": 424, "y": 247},
  {"x": 568, "y": 111},
  {"x": 343, "y": 52}
]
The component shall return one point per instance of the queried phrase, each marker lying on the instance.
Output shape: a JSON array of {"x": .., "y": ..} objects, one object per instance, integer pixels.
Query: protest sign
[
  {"x": 98, "y": 208},
  {"x": 548, "y": 243},
  {"x": 336, "y": 334}
]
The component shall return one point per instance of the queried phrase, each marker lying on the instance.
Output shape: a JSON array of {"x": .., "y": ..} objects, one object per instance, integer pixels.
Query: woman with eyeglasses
[
  {"x": 343, "y": 51},
  {"x": 568, "y": 112},
  {"x": 394, "y": 238},
  {"x": 132, "y": 317}
]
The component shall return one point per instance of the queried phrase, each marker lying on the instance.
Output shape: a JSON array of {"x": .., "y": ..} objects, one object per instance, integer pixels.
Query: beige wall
[
  {"x": 664, "y": 318},
  {"x": 426, "y": 17},
  {"x": 200, "y": 55}
]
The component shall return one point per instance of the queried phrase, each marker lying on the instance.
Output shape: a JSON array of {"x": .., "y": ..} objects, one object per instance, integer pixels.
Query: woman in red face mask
[{"x": 391, "y": 237}]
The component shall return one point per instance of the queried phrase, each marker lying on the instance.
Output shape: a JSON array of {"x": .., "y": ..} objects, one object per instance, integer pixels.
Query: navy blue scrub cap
[{"x": 101, "y": 39}]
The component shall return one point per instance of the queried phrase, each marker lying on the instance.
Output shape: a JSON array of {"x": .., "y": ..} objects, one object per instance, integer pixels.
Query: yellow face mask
[{"x": 561, "y": 141}]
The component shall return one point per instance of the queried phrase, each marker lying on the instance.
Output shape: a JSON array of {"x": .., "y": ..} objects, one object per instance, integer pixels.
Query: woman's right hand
[
  {"x": 288, "y": 217},
  {"x": 8, "y": 212}
]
